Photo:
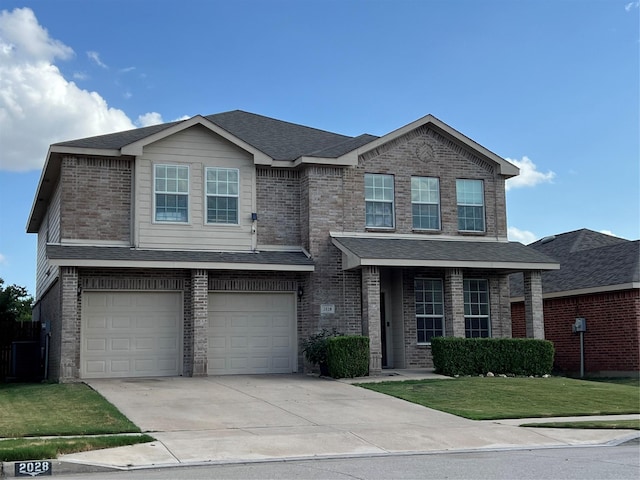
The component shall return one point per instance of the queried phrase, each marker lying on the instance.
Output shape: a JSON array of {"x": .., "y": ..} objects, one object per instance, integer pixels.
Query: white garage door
[
  {"x": 251, "y": 333},
  {"x": 130, "y": 334}
]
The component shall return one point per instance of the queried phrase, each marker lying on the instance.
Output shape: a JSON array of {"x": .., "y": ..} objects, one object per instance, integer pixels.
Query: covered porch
[{"x": 417, "y": 288}]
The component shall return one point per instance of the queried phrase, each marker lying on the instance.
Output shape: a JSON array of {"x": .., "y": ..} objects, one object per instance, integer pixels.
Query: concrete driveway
[{"x": 244, "y": 418}]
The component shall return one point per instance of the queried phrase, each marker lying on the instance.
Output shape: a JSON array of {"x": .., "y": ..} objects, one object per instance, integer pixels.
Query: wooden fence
[{"x": 17, "y": 337}]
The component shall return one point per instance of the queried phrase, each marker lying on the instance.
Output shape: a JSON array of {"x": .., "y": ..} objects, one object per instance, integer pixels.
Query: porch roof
[
  {"x": 111, "y": 256},
  {"x": 358, "y": 251}
]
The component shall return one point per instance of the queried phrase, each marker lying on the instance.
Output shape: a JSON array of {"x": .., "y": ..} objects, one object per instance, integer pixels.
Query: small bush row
[{"x": 474, "y": 356}]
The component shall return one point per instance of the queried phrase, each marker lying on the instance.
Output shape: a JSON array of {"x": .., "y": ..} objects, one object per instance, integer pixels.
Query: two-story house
[{"x": 216, "y": 244}]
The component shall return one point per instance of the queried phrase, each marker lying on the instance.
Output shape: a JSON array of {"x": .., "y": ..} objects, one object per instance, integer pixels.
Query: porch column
[
  {"x": 533, "y": 309},
  {"x": 453, "y": 303},
  {"x": 70, "y": 328},
  {"x": 371, "y": 317},
  {"x": 199, "y": 310}
]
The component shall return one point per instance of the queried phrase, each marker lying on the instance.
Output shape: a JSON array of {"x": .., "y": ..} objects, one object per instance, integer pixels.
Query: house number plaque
[
  {"x": 32, "y": 469},
  {"x": 327, "y": 308}
]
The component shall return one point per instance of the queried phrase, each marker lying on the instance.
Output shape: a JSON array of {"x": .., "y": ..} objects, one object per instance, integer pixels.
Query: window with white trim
[
  {"x": 476, "y": 308},
  {"x": 378, "y": 193},
  {"x": 429, "y": 309},
  {"x": 425, "y": 203},
  {"x": 171, "y": 189},
  {"x": 470, "y": 195},
  {"x": 222, "y": 186}
]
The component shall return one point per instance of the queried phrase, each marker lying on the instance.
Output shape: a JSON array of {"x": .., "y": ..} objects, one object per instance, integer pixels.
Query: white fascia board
[
  {"x": 136, "y": 148},
  {"x": 99, "y": 152},
  {"x": 585, "y": 291},
  {"x": 63, "y": 262},
  {"x": 393, "y": 262},
  {"x": 348, "y": 160}
]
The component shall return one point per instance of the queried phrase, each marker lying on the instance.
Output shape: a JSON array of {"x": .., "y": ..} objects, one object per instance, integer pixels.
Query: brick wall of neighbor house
[
  {"x": 278, "y": 206},
  {"x": 424, "y": 152},
  {"x": 612, "y": 340},
  {"x": 96, "y": 198}
]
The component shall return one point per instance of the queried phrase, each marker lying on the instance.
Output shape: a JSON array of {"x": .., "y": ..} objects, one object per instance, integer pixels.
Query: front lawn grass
[
  {"x": 491, "y": 398},
  {"x": 28, "y": 410},
  {"x": 21, "y": 449},
  {"x": 38, "y": 410},
  {"x": 608, "y": 424}
]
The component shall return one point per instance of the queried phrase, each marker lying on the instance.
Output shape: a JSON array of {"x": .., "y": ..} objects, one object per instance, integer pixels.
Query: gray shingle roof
[
  {"x": 81, "y": 252},
  {"x": 498, "y": 255},
  {"x": 587, "y": 260},
  {"x": 279, "y": 139}
]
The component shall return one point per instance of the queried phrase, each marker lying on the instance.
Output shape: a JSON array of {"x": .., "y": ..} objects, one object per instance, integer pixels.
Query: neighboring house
[
  {"x": 598, "y": 280},
  {"x": 215, "y": 245}
]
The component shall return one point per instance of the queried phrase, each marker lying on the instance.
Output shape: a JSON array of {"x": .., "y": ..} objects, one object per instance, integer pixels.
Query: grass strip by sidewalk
[
  {"x": 492, "y": 398},
  {"x": 21, "y": 449},
  {"x": 58, "y": 409},
  {"x": 597, "y": 424}
]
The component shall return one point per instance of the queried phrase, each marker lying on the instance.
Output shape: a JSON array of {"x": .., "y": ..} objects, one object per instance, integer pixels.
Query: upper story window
[
  {"x": 378, "y": 195},
  {"x": 222, "y": 186},
  {"x": 425, "y": 203},
  {"x": 470, "y": 194},
  {"x": 171, "y": 187},
  {"x": 476, "y": 308},
  {"x": 429, "y": 309}
]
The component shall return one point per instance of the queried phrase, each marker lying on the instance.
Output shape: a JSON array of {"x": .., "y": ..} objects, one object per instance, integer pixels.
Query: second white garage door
[{"x": 251, "y": 333}]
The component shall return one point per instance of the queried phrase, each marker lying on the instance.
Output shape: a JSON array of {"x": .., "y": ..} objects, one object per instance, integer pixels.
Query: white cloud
[
  {"x": 608, "y": 232},
  {"x": 631, "y": 5},
  {"x": 80, "y": 76},
  {"x": 148, "y": 119},
  {"x": 95, "y": 56},
  {"x": 529, "y": 175},
  {"x": 3, "y": 259},
  {"x": 523, "y": 236},
  {"x": 38, "y": 106}
]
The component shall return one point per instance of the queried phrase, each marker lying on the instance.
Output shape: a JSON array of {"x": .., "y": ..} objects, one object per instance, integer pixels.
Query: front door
[{"x": 383, "y": 330}]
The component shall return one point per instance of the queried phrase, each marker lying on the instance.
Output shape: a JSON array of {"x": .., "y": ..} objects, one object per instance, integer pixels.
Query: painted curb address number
[{"x": 32, "y": 469}]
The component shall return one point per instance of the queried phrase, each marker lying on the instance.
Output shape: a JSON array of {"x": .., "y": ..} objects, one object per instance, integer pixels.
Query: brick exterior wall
[
  {"x": 278, "y": 206},
  {"x": 612, "y": 340},
  {"x": 96, "y": 199},
  {"x": 69, "y": 369},
  {"x": 48, "y": 309}
]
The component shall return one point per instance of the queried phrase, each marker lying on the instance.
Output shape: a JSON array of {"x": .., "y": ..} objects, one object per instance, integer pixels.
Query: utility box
[{"x": 580, "y": 325}]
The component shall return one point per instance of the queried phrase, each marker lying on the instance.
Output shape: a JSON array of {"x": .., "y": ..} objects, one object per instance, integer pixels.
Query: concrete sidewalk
[{"x": 257, "y": 418}]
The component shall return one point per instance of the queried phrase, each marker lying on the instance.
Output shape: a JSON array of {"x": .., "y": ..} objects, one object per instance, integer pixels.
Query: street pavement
[{"x": 246, "y": 418}]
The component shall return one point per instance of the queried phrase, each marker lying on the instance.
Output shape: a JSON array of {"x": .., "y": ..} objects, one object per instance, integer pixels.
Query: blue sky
[{"x": 551, "y": 85}]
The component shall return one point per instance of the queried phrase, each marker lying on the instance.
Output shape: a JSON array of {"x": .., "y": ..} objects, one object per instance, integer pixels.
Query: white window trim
[
  {"x": 392, "y": 202},
  {"x": 430, "y": 315},
  {"x": 484, "y": 216},
  {"x": 207, "y": 195},
  {"x": 427, "y": 203},
  {"x": 155, "y": 193},
  {"x": 488, "y": 315}
]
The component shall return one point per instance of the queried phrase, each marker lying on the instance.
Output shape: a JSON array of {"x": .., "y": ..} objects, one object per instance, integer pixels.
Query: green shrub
[
  {"x": 474, "y": 356},
  {"x": 348, "y": 356},
  {"x": 314, "y": 347}
]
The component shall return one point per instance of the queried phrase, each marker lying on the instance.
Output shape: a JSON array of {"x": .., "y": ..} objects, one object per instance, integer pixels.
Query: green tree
[{"x": 15, "y": 304}]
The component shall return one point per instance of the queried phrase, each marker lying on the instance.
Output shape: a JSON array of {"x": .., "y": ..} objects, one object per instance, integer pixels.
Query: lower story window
[
  {"x": 476, "y": 308},
  {"x": 429, "y": 309}
]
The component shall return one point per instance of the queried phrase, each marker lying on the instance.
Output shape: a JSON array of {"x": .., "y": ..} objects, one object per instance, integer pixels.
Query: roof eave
[{"x": 121, "y": 263}]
